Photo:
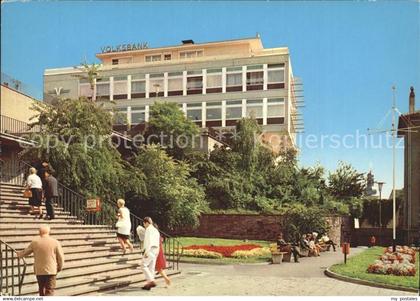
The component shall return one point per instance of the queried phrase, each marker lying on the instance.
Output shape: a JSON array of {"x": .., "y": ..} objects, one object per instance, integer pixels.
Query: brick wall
[{"x": 247, "y": 226}]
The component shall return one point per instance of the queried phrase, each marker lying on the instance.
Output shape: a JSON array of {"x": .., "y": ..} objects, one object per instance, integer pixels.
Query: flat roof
[{"x": 256, "y": 40}]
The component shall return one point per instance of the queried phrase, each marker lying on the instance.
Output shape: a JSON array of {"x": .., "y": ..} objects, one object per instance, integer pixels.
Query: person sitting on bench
[
  {"x": 327, "y": 241},
  {"x": 283, "y": 246},
  {"x": 304, "y": 242},
  {"x": 314, "y": 249}
]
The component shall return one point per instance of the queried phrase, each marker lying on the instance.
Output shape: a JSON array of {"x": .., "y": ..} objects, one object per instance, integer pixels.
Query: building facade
[
  {"x": 16, "y": 115},
  {"x": 409, "y": 129},
  {"x": 215, "y": 84}
]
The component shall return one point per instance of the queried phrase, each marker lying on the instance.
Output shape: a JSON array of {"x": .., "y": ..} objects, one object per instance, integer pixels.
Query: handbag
[{"x": 27, "y": 193}]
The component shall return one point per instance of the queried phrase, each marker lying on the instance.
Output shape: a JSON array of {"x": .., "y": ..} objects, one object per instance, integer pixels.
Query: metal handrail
[
  {"x": 74, "y": 203},
  {"x": 4, "y": 270}
]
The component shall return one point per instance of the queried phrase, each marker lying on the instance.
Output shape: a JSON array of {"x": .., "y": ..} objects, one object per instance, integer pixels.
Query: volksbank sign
[{"x": 124, "y": 47}]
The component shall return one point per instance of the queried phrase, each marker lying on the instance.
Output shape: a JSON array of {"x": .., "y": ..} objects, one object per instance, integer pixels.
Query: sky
[{"x": 348, "y": 55}]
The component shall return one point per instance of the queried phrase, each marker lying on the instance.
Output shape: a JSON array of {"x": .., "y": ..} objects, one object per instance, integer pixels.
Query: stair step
[
  {"x": 32, "y": 220},
  {"x": 97, "y": 253},
  {"x": 76, "y": 243},
  {"x": 12, "y": 205},
  {"x": 70, "y": 267},
  {"x": 19, "y": 203},
  {"x": 7, "y": 187},
  {"x": 92, "y": 270},
  {"x": 111, "y": 247},
  {"x": 13, "y": 198},
  {"x": 13, "y": 193},
  {"x": 10, "y": 185},
  {"x": 61, "y": 233},
  {"x": 59, "y": 226},
  {"x": 99, "y": 282},
  {"x": 21, "y": 217},
  {"x": 25, "y": 211},
  {"x": 65, "y": 237},
  {"x": 23, "y": 202},
  {"x": 11, "y": 190}
]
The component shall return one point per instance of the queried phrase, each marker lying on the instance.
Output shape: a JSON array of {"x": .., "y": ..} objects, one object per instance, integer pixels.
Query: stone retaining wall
[{"x": 247, "y": 226}]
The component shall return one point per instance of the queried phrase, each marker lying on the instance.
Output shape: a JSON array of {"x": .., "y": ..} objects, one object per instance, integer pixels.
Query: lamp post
[{"x": 380, "y": 185}]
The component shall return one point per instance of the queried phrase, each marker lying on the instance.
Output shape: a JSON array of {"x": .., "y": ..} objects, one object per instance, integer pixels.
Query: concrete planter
[{"x": 277, "y": 257}]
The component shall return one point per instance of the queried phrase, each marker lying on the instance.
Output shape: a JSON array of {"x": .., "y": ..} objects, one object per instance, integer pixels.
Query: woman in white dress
[
  {"x": 123, "y": 226},
  {"x": 34, "y": 183}
]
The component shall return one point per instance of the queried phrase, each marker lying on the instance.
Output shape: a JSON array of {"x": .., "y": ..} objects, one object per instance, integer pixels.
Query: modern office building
[{"x": 214, "y": 83}]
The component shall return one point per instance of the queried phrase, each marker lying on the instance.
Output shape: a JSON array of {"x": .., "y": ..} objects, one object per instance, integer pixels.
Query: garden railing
[{"x": 12, "y": 270}]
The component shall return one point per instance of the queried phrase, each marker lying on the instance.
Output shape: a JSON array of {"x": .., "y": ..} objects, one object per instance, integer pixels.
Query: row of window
[
  {"x": 161, "y": 57},
  {"x": 193, "y": 82},
  {"x": 232, "y": 110}
]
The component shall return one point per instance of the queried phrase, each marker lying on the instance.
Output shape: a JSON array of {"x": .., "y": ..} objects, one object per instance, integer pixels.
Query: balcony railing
[{"x": 13, "y": 126}]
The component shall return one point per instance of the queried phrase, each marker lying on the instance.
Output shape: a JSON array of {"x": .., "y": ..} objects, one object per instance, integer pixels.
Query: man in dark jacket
[
  {"x": 41, "y": 167},
  {"x": 51, "y": 193}
]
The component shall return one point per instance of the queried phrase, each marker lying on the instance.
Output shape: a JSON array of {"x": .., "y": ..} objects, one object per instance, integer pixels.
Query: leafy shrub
[
  {"x": 299, "y": 219},
  {"x": 173, "y": 198}
]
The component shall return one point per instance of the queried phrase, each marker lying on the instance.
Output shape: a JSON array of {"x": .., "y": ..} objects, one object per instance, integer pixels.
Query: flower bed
[
  {"x": 201, "y": 253},
  {"x": 224, "y": 251},
  {"x": 257, "y": 252},
  {"x": 400, "y": 263}
]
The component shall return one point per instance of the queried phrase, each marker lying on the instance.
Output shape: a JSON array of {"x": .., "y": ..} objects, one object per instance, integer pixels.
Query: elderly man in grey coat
[{"x": 48, "y": 260}]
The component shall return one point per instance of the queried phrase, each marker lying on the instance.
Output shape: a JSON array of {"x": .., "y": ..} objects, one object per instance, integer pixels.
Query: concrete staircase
[{"x": 93, "y": 260}]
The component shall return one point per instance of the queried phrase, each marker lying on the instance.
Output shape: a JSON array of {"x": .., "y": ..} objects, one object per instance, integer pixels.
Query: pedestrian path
[{"x": 290, "y": 279}]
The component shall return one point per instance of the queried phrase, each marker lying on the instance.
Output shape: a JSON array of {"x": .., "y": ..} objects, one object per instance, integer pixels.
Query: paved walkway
[{"x": 304, "y": 278}]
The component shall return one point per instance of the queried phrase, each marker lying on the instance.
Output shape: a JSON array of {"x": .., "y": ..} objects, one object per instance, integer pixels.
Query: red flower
[{"x": 226, "y": 251}]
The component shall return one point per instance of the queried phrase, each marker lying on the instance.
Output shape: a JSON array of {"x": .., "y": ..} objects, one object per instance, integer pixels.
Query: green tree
[
  {"x": 310, "y": 185},
  {"x": 202, "y": 168},
  {"x": 246, "y": 143},
  {"x": 173, "y": 197},
  {"x": 169, "y": 127},
  {"x": 346, "y": 182},
  {"x": 283, "y": 177},
  {"x": 90, "y": 73},
  {"x": 74, "y": 137}
]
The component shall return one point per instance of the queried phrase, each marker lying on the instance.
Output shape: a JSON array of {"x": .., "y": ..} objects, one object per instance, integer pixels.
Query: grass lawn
[
  {"x": 188, "y": 241},
  {"x": 357, "y": 265}
]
